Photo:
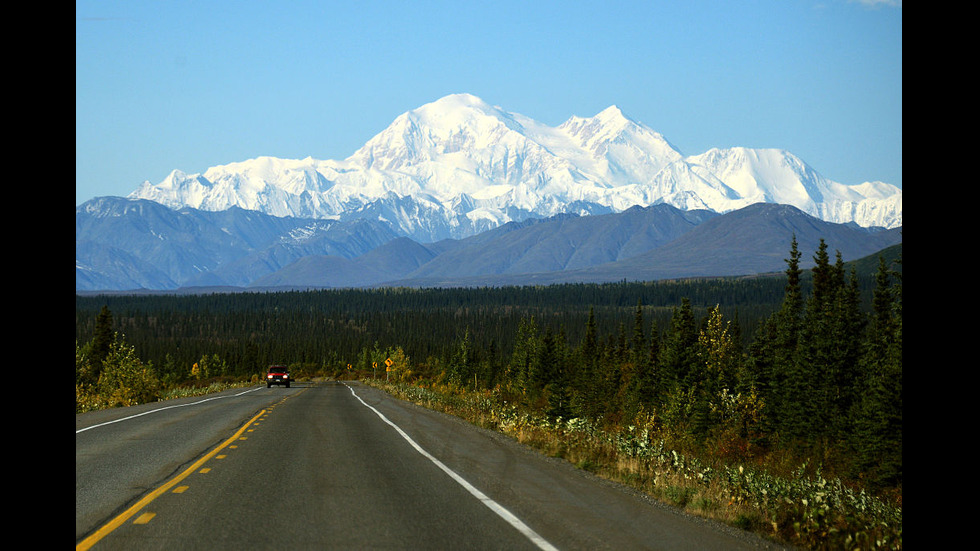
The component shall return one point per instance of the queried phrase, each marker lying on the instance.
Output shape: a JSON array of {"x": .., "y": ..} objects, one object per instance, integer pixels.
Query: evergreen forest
[{"x": 798, "y": 368}]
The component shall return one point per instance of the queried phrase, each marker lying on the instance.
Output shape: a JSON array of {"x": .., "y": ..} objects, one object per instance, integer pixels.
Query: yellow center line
[
  {"x": 88, "y": 542},
  {"x": 144, "y": 518}
]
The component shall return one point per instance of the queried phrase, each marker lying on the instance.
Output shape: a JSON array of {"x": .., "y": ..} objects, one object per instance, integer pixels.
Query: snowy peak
[
  {"x": 466, "y": 166},
  {"x": 440, "y": 124},
  {"x": 764, "y": 175},
  {"x": 435, "y": 131},
  {"x": 607, "y": 125},
  {"x": 461, "y": 111},
  {"x": 627, "y": 151}
]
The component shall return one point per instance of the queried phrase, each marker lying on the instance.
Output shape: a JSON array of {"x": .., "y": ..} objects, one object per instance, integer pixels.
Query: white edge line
[
  {"x": 163, "y": 408},
  {"x": 493, "y": 505}
]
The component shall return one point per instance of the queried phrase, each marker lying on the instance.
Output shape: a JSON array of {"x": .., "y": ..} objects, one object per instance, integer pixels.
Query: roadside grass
[
  {"x": 89, "y": 399},
  {"x": 190, "y": 391},
  {"x": 794, "y": 505}
]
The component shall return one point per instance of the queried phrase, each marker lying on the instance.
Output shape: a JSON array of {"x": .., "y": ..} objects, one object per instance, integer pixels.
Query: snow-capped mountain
[{"x": 459, "y": 166}]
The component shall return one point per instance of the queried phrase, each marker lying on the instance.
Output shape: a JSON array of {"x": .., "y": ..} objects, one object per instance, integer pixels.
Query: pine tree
[
  {"x": 559, "y": 386},
  {"x": 638, "y": 344},
  {"x": 525, "y": 352},
  {"x": 848, "y": 334},
  {"x": 643, "y": 392},
  {"x": 490, "y": 367},
  {"x": 102, "y": 339},
  {"x": 679, "y": 355},
  {"x": 760, "y": 362},
  {"x": 587, "y": 399},
  {"x": 463, "y": 362},
  {"x": 877, "y": 435},
  {"x": 652, "y": 383},
  {"x": 774, "y": 348},
  {"x": 825, "y": 369},
  {"x": 543, "y": 364},
  {"x": 617, "y": 370},
  {"x": 808, "y": 372},
  {"x": 793, "y": 297}
]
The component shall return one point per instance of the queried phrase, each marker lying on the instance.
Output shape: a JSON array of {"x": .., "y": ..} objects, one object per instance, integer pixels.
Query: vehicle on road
[{"x": 278, "y": 375}]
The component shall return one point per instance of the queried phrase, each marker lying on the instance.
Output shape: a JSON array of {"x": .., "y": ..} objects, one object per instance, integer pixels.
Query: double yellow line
[{"x": 91, "y": 540}]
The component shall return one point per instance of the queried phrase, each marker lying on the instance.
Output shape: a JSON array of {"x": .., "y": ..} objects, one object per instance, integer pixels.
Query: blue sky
[{"x": 164, "y": 85}]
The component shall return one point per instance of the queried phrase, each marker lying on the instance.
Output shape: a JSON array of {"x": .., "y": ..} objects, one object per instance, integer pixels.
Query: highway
[{"x": 345, "y": 466}]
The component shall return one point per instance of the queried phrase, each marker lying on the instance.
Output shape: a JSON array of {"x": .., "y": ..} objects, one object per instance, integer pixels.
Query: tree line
[{"x": 331, "y": 328}]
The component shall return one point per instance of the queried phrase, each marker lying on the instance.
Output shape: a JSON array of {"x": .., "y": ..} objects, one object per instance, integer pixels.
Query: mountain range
[
  {"x": 458, "y": 192},
  {"x": 459, "y": 166},
  {"x": 130, "y": 244}
]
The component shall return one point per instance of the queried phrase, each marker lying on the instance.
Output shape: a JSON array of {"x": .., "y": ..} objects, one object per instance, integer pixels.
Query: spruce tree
[
  {"x": 643, "y": 385},
  {"x": 848, "y": 334},
  {"x": 877, "y": 435},
  {"x": 638, "y": 346},
  {"x": 463, "y": 361},
  {"x": 543, "y": 363},
  {"x": 809, "y": 372},
  {"x": 102, "y": 340},
  {"x": 761, "y": 357},
  {"x": 525, "y": 351},
  {"x": 559, "y": 386},
  {"x": 587, "y": 400},
  {"x": 679, "y": 354},
  {"x": 652, "y": 384},
  {"x": 829, "y": 351},
  {"x": 773, "y": 349}
]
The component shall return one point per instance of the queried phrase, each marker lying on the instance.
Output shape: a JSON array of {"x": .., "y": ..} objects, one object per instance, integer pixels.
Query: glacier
[{"x": 459, "y": 166}]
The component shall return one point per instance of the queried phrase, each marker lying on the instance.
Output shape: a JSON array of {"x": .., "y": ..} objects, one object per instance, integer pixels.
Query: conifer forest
[{"x": 797, "y": 370}]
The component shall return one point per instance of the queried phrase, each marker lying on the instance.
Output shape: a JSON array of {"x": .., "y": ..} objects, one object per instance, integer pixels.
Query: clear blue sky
[{"x": 164, "y": 85}]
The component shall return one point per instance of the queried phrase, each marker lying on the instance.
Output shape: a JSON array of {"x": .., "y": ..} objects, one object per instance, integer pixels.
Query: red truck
[{"x": 278, "y": 375}]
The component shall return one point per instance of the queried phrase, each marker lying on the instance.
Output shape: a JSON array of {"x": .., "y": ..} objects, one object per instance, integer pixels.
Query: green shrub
[{"x": 125, "y": 380}]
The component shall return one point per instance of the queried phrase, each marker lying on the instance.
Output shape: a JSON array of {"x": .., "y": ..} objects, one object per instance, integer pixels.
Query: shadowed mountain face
[{"x": 123, "y": 245}]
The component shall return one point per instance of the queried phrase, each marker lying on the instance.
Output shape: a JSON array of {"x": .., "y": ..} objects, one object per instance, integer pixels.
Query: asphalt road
[{"x": 345, "y": 466}]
